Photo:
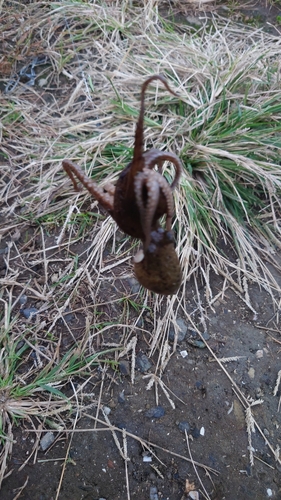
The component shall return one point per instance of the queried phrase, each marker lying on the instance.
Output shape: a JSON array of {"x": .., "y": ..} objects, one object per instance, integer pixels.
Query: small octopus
[{"x": 140, "y": 197}]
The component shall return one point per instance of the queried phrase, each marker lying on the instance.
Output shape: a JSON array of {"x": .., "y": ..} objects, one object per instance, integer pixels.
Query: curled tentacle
[
  {"x": 138, "y": 146},
  {"x": 149, "y": 185},
  {"x": 102, "y": 196},
  {"x": 154, "y": 157}
]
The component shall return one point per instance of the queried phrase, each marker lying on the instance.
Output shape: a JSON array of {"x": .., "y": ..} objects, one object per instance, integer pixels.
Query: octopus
[{"x": 139, "y": 199}]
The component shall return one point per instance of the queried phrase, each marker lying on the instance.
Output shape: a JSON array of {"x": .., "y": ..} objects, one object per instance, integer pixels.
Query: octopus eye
[
  {"x": 170, "y": 237},
  {"x": 152, "y": 248},
  {"x": 157, "y": 236}
]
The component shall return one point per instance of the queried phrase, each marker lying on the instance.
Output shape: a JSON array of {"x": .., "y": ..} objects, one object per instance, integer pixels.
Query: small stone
[
  {"x": 184, "y": 426},
  {"x": 54, "y": 278},
  {"x": 106, "y": 410},
  {"x": 181, "y": 332},
  {"x": 156, "y": 412},
  {"x": 192, "y": 333},
  {"x": 205, "y": 336},
  {"x": 183, "y": 354},
  {"x": 195, "y": 432},
  {"x": 259, "y": 392},
  {"x": 23, "y": 300},
  {"x": 266, "y": 432},
  {"x": 197, "y": 343},
  {"x": 202, "y": 431},
  {"x": 121, "y": 397},
  {"x": 194, "y": 495},
  {"x": 251, "y": 373},
  {"x": 68, "y": 316},
  {"x": 153, "y": 495},
  {"x": 143, "y": 363},
  {"x": 29, "y": 311},
  {"x": 140, "y": 323},
  {"x": 134, "y": 285},
  {"x": 124, "y": 367},
  {"x": 269, "y": 492},
  {"x": 121, "y": 425},
  {"x": 259, "y": 354},
  {"x": 47, "y": 440},
  {"x": 43, "y": 82}
]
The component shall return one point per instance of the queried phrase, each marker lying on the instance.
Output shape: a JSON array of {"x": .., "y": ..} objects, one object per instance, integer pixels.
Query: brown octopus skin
[
  {"x": 158, "y": 268},
  {"x": 141, "y": 196},
  {"x": 126, "y": 209},
  {"x": 123, "y": 205}
]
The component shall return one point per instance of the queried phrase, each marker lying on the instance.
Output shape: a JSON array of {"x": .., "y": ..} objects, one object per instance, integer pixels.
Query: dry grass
[{"x": 225, "y": 128}]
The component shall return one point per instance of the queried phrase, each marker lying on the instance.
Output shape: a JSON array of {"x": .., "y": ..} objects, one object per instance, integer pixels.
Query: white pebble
[{"x": 259, "y": 354}]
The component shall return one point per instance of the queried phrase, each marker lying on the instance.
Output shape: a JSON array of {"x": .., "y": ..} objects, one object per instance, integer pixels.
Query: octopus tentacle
[
  {"x": 104, "y": 198},
  {"x": 155, "y": 157},
  {"x": 137, "y": 163},
  {"x": 151, "y": 158},
  {"x": 153, "y": 182},
  {"x": 147, "y": 209}
]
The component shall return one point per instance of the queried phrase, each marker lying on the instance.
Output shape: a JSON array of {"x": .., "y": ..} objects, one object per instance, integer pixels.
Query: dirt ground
[
  {"x": 204, "y": 398},
  {"x": 206, "y": 403}
]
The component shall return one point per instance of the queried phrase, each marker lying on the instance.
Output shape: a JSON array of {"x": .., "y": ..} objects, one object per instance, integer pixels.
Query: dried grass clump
[{"x": 225, "y": 127}]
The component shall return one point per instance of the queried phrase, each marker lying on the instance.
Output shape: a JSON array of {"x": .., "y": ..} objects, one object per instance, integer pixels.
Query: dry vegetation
[{"x": 226, "y": 129}]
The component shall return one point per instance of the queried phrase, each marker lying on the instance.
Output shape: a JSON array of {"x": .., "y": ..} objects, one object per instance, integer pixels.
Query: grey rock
[
  {"x": 106, "y": 410},
  {"x": 140, "y": 323},
  {"x": 29, "y": 311},
  {"x": 47, "y": 440},
  {"x": 153, "y": 495},
  {"x": 143, "y": 363},
  {"x": 156, "y": 412},
  {"x": 121, "y": 397},
  {"x": 197, "y": 343},
  {"x": 205, "y": 336},
  {"x": 184, "y": 426},
  {"x": 134, "y": 285},
  {"x": 182, "y": 330},
  {"x": 195, "y": 432},
  {"x": 23, "y": 300},
  {"x": 68, "y": 317},
  {"x": 124, "y": 367}
]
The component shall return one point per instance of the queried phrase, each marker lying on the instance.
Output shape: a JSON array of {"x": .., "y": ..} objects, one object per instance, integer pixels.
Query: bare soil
[{"x": 204, "y": 399}]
